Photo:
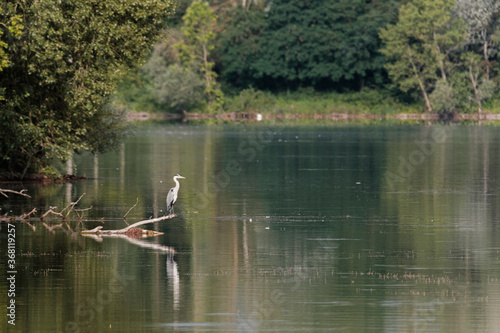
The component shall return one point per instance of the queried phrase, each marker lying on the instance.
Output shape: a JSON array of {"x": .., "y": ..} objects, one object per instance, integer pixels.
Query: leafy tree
[
  {"x": 317, "y": 43},
  {"x": 482, "y": 87},
  {"x": 64, "y": 68},
  {"x": 481, "y": 46},
  {"x": 483, "y": 30},
  {"x": 240, "y": 46},
  {"x": 13, "y": 28},
  {"x": 443, "y": 97},
  {"x": 10, "y": 31},
  {"x": 420, "y": 45},
  {"x": 177, "y": 87},
  {"x": 194, "y": 50}
]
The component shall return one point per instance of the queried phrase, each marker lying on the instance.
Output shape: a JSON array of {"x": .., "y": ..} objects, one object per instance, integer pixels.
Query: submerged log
[{"x": 131, "y": 230}]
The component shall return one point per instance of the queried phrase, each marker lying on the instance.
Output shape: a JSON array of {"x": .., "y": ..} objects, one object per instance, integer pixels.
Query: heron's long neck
[{"x": 176, "y": 182}]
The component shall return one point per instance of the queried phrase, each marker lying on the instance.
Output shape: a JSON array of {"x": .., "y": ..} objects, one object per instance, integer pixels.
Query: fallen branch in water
[
  {"x": 136, "y": 202},
  {"x": 72, "y": 205},
  {"x": 131, "y": 230},
  {"x": 3, "y": 191},
  {"x": 51, "y": 211},
  {"x": 133, "y": 240},
  {"x": 78, "y": 211},
  {"x": 26, "y": 216}
]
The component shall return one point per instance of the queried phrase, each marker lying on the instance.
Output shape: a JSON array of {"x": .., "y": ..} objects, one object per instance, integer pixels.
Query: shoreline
[
  {"x": 254, "y": 116},
  {"x": 39, "y": 178}
]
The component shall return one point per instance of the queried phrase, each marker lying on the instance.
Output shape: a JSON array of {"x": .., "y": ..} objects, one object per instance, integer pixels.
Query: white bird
[{"x": 172, "y": 194}]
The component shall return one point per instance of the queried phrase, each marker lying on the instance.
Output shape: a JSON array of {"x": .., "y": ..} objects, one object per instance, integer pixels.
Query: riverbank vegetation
[
  {"x": 62, "y": 62},
  {"x": 377, "y": 57}
]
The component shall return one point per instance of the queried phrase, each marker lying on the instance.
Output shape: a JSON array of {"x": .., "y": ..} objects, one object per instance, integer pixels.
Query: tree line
[
  {"x": 61, "y": 61},
  {"x": 440, "y": 53}
]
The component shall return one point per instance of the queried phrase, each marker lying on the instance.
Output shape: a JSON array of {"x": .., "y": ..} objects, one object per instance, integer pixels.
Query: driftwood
[
  {"x": 131, "y": 230},
  {"x": 3, "y": 191},
  {"x": 135, "y": 241},
  {"x": 27, "y": 216},
  {"x": 71, "y": 206}
]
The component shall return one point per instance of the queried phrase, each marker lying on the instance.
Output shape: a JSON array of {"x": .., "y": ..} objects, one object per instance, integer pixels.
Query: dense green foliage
[
  {"x": 180, "y": 73},
  {"x": 270, "y": 45},
  {"x": 310, "y": 103},
  {"x": 440, "y": 49},
  {"x": 198, "y": 32},
  {"x": 62, "y": 71},
  {"x": 306, "y": 43},
  {"x": 419, "y": 43},
  {"x": 14, "y": 28},
  {"x": 442, "y": 54},
  {"x": 60, "y": 62}
]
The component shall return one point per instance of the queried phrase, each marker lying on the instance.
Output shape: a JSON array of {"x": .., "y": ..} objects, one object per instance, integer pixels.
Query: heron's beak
[{"x": 181, "y": 177}]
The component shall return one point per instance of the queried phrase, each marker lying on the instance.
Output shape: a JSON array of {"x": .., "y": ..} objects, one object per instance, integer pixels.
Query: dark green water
[{"x": 318, "y": 229}]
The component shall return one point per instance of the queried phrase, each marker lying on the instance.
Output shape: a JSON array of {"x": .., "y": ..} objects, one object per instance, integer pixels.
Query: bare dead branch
[
  {"x": 72, "y": 205},
  {"x": 3, "y": 191},
  {"x": 136, "y": 202},
  {"x": 98, "y": 230},
  {"x": 158, "y": 219},
  {"x": 166, "y": 249},
  {"x": 51, "y": 211},
  {"x": 82, "y": 210},
  {"x": 92, "y": 231},
  {"x": 26, "y": 216}
]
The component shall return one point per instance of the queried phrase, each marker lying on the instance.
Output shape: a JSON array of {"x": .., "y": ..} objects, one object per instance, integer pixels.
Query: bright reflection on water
[{"x": 319, "y": 229}]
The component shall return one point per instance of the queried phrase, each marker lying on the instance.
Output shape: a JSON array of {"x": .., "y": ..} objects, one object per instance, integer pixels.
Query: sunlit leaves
[
  {"x": 64, "y": 68},
  {"x": 10, "y": 29},
  {"x": 198, "y": 30},
  {"x": 445, "y": 49},
  {"x": 420, "y": 44},
  {"x": 177, "y": 87}
]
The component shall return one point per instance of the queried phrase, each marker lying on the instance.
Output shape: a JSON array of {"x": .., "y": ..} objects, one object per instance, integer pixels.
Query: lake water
[{"x": 318, "y": 229}]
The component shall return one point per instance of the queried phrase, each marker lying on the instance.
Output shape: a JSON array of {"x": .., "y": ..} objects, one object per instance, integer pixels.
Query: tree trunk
[
  {"x": 485, "y": 54},
  {"x": 422, "y": 88},
  {"x": 205, "y": 67},
  {"x": 427, "y": 101},
  {"x": 440, "y": 58},
  {"x": 208, "y": 77},
  {"x": 426, "y": 96},
  {"x": 474, "y": 82}
]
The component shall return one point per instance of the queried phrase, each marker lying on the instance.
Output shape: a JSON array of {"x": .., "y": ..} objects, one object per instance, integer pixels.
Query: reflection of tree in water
[{"x": 173, "y": 277}]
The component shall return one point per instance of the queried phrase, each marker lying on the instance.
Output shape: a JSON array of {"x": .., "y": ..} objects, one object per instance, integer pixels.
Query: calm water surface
[{"x": 317, "y": 229}]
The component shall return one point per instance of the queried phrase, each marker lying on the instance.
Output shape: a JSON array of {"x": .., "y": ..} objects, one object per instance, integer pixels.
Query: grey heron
[{"x": 172, "y": 194}]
